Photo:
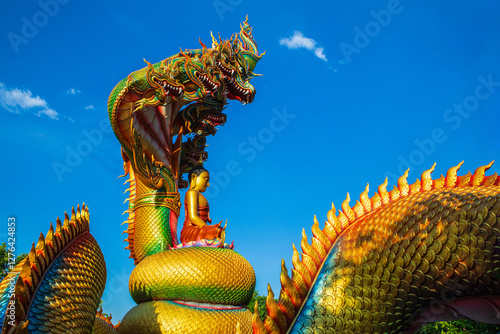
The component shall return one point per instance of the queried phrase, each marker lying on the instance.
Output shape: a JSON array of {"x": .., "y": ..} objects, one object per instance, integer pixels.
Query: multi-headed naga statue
[{"x": 421, "y": 252}]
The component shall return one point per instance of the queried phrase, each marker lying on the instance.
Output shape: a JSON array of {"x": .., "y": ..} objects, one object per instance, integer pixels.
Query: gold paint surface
[
  {"x": 71, "y": 290},
  {"x": 429, "y": 247},
  {"x": 164, "y": 317},
  {"x": 201, "y": 274}
]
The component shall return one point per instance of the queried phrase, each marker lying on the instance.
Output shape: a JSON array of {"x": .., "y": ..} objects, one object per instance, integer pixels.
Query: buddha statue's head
[{"x": 199, "y": 179}]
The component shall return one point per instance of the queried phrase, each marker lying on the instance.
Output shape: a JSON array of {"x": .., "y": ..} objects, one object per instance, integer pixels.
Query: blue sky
[{"x": 352, "y": 92}]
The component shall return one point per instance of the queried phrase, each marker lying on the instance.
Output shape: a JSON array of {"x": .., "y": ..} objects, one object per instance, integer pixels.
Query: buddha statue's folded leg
[
  {"x": 190, "y": 233},
  {"x": 210, "y": 231}
]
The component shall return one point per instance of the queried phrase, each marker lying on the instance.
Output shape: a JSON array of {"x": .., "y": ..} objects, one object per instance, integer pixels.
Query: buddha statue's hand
[
  {"x": 222, "y": 228},
  {"x": 221, "y": 233}
]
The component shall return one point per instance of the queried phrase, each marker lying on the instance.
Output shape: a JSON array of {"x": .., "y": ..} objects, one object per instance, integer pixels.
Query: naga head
[
  {"x": 228, "y": 67},
  {"x": 219, "y": 73},
  {"x": 235, "y": 60},
  {"x": 184, "y": 94},
  {"x": 193, "y": 153},
  {"x": 203, "y": 117},
  {"x": 160, "y": 77}
]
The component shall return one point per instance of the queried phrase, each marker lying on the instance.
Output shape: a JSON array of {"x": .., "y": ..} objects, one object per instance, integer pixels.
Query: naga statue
[{"x": 421, "y": 252}]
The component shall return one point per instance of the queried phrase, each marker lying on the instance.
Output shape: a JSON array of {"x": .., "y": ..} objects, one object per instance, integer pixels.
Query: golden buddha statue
[{"x": 196, "y": 223}]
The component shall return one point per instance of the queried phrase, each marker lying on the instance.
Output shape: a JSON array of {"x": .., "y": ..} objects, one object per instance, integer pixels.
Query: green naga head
[
  {"x": 228, "y": 68},
  {"x": 235, "y": 60},
  {"x": 186, "y": 93},
  {"x": 218, "y": 73}
]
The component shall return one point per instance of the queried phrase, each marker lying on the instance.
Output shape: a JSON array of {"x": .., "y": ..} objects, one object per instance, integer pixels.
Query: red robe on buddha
[{"x": 191, "y": 232}]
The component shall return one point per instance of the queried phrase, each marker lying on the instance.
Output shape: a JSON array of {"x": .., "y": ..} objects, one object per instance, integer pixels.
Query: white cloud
[
  {"x": 320, "y": 54},
  {"x": 90, "y": 107},
  {"x": 73, "y": 91},
  {"x": 49, "y": 112},
  {"x": 298, "y": 41},
  {"x": 16, "y": 101}
]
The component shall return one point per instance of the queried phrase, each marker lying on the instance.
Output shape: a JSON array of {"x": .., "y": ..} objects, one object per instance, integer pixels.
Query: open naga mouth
[
  {"x": 197, "y": 157},
  {"x": 226, "y": 71},
  {"x": 233, "y": 90},
  {"x": 171, "y": 90},
  {"x": 214, "y": 120},
  {"x": 209, "y": 85},
  {"x": 236, "y": 92}
]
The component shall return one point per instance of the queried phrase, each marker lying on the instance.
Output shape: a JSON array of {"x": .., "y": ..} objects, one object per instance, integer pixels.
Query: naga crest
[
  {"x": 153, "y": 107},
  {"x": 192, "y": 154}
]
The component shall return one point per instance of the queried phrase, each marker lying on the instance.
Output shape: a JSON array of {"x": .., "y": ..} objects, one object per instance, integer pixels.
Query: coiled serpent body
[{"x": 419, "y": 253}]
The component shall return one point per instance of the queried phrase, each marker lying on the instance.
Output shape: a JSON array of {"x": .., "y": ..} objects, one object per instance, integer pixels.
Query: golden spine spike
[
  {"x": 294, "y": 291},
  {"x": 103, "y": 324},
  {"x": 358, "y": 209},
  {"x": 274, "y": 311},
  {"x": 463, "y": 181},
  {"x": 402, "y": 184},
  {"x": 289, "y": 289},
  {"x": 490, "y": 180},
  {"x": 299, "y": 283},
  {"x": 320, "y": 241},
  {"x": 308, "y": 251},
  {"x": 108, "y": 318},
  {"x": 65, "y": 242},
  {"x": 384, "y": 195},
  {"x": 271, "y": 326},
  {"x": 394, "y": 194},
  {"x": 478, "y": 176},
  {"x": 427, "y": 179},
  {"x": 348, "y": 212},
  {"x": 301, "y": 269},
  {"x": 257, "y": 324},
  {"x": 376, "y": 202},
  {"x": 286, "y": 306},
  {"x": 132, "y": 189},
  {"x": 365, "y": 200}
]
